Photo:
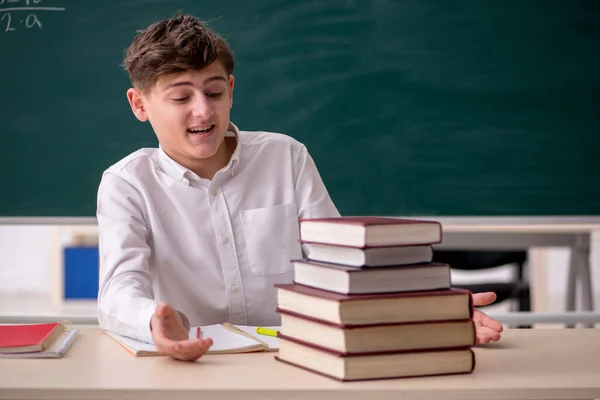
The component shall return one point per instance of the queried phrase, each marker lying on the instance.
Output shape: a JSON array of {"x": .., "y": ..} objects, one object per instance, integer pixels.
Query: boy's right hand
[{"x": 172, "y": 338}]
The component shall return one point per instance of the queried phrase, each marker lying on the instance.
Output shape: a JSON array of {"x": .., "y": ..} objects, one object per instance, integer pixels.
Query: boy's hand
[
  {"x": 172, "y": 338},
  {"x": 487, "y": 328}
]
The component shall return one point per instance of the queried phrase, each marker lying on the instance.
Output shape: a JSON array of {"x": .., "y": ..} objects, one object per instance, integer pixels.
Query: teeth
[{"x": 200, "y": 129}]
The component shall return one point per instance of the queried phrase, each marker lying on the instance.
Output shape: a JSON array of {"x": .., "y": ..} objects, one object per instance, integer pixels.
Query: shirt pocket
[{"x": 271, "y": 235}]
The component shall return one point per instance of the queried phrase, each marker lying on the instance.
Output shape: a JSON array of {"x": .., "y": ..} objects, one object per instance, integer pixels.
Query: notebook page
[
  {"x": 132, "y": 345},
  {"x": 273, "y": 342},
  {"x": 225, "y": 340}
]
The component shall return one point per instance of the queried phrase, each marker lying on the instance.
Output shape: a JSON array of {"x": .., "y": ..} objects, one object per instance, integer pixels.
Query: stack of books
[
  {"x": 368, "y": 303},
  {"x": 50, "y": 340}
]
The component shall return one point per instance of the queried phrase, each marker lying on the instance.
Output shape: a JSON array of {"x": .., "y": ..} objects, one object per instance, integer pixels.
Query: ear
[
  {"x": 136, "y": 101},
  {"x": 231, "y": 81}
]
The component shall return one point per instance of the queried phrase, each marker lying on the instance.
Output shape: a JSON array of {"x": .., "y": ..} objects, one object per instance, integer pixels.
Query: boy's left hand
[{"x": 487, "y": 328}]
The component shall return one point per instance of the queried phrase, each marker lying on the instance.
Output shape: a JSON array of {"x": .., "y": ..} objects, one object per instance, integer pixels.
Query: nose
[{"x": 202, "y": 108}]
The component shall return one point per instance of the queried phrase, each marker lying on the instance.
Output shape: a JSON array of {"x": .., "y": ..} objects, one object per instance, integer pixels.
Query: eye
[
  {"x": 214, "y": 95},
  {"x": 180, "y": 99}
]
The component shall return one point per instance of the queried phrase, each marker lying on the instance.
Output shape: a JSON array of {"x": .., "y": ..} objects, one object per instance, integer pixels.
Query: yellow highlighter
[{"x": 266, "y": 331}]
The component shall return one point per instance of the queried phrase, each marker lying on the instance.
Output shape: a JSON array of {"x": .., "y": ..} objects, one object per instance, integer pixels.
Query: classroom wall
[
  {"x": 25, "y": 253},
  {"x": 26, "y": 256}
]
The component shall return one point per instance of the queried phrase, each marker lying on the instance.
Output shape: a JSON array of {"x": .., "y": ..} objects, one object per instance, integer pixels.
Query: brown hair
[{"x": 173, "y": 45}]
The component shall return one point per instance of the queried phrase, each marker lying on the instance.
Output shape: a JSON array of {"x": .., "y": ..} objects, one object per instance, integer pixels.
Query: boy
[{"x": 198, "y": 231}]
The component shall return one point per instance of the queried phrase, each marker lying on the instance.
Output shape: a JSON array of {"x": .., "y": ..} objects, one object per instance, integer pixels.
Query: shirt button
[
  {"x": 234, "y": 288},
  {"x": 225, "y": 239},
  {"x": 185, "y": 181},
  {"x": 213, "y": 191}
]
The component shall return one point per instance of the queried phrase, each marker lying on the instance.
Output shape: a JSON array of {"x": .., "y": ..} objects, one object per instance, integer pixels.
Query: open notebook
[{"x": 227, "y": 339}]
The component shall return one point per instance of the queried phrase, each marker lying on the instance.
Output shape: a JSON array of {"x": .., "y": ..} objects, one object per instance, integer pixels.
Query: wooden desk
[{"x": 526, "y": 364}]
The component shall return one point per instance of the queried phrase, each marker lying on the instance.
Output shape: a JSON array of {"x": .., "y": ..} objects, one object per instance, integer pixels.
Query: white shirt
[{"x": 213, "y": 249}]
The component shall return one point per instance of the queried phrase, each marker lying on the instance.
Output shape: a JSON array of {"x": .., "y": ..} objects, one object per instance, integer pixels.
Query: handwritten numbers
[
  {"x": 8, "y": 19},
  {"x": 13, "y": 17},
  {"x": 32, "y": 20}
]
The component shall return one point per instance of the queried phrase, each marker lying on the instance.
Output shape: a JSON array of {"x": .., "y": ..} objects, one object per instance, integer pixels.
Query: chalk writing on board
[{"x": 15, "y": 14}]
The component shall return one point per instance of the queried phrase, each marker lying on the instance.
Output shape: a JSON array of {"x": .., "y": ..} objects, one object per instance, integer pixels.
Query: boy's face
[{"x": 189, "y": 112}]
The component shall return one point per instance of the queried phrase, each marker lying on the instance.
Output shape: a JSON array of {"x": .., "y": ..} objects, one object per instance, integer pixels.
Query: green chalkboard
[{"x": 413, "y": 107}]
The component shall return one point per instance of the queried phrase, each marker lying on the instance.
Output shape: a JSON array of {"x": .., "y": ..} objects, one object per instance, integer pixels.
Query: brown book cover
[
  {"x": 366, "y": 247},
  {"x": 309, "y": 291},
  {"x": 370, "y": 353},
  {"x": 370, "y": 220},
  {"x": 351, "y": 327},
  {"x": 353, "y": 269},
  {"x": 392, "y": 278},
  {"x": 384, "y": 375},
  {"x": 277, "y": 358},
  {"x": 376, "y": 231},
  {"x": 369, "y": 256},
  {"x": 369, "y": 338},
  {"x": 376, "y": 308}
]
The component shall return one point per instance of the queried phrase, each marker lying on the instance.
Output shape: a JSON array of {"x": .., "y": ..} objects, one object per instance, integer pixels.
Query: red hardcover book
[{"x": 28, "y": 338}]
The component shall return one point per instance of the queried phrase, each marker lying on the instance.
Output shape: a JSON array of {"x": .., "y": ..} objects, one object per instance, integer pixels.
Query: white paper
[
  {"x": 273, "y": 342},
  {"x": 223, "y": 340}
]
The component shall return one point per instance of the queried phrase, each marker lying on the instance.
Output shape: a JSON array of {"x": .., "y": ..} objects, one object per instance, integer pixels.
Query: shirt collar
[
  {"x": 235, "y": 157},
  {"x": 178, "y": 171}
]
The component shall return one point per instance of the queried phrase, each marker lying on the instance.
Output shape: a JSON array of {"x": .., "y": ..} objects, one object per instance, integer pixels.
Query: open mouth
[{"x": 201, "y": 130}]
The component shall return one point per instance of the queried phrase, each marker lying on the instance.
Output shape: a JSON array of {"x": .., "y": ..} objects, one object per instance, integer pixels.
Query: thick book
[
  {"x": 227, "y": 339},
  {"x": 370, "y": 231},
  {"x": 28, "y": 338},
  {"x": 359, "y": 339},
  {"x": 375, "y": 308},
  {"x": 370, "y": 256},
  {"x": 344, "y": 367},
  {"x": 356, "y": 280}
]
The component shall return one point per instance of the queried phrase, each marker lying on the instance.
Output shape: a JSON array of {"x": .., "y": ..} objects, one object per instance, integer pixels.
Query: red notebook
[{"x": 28, "y": 338}]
